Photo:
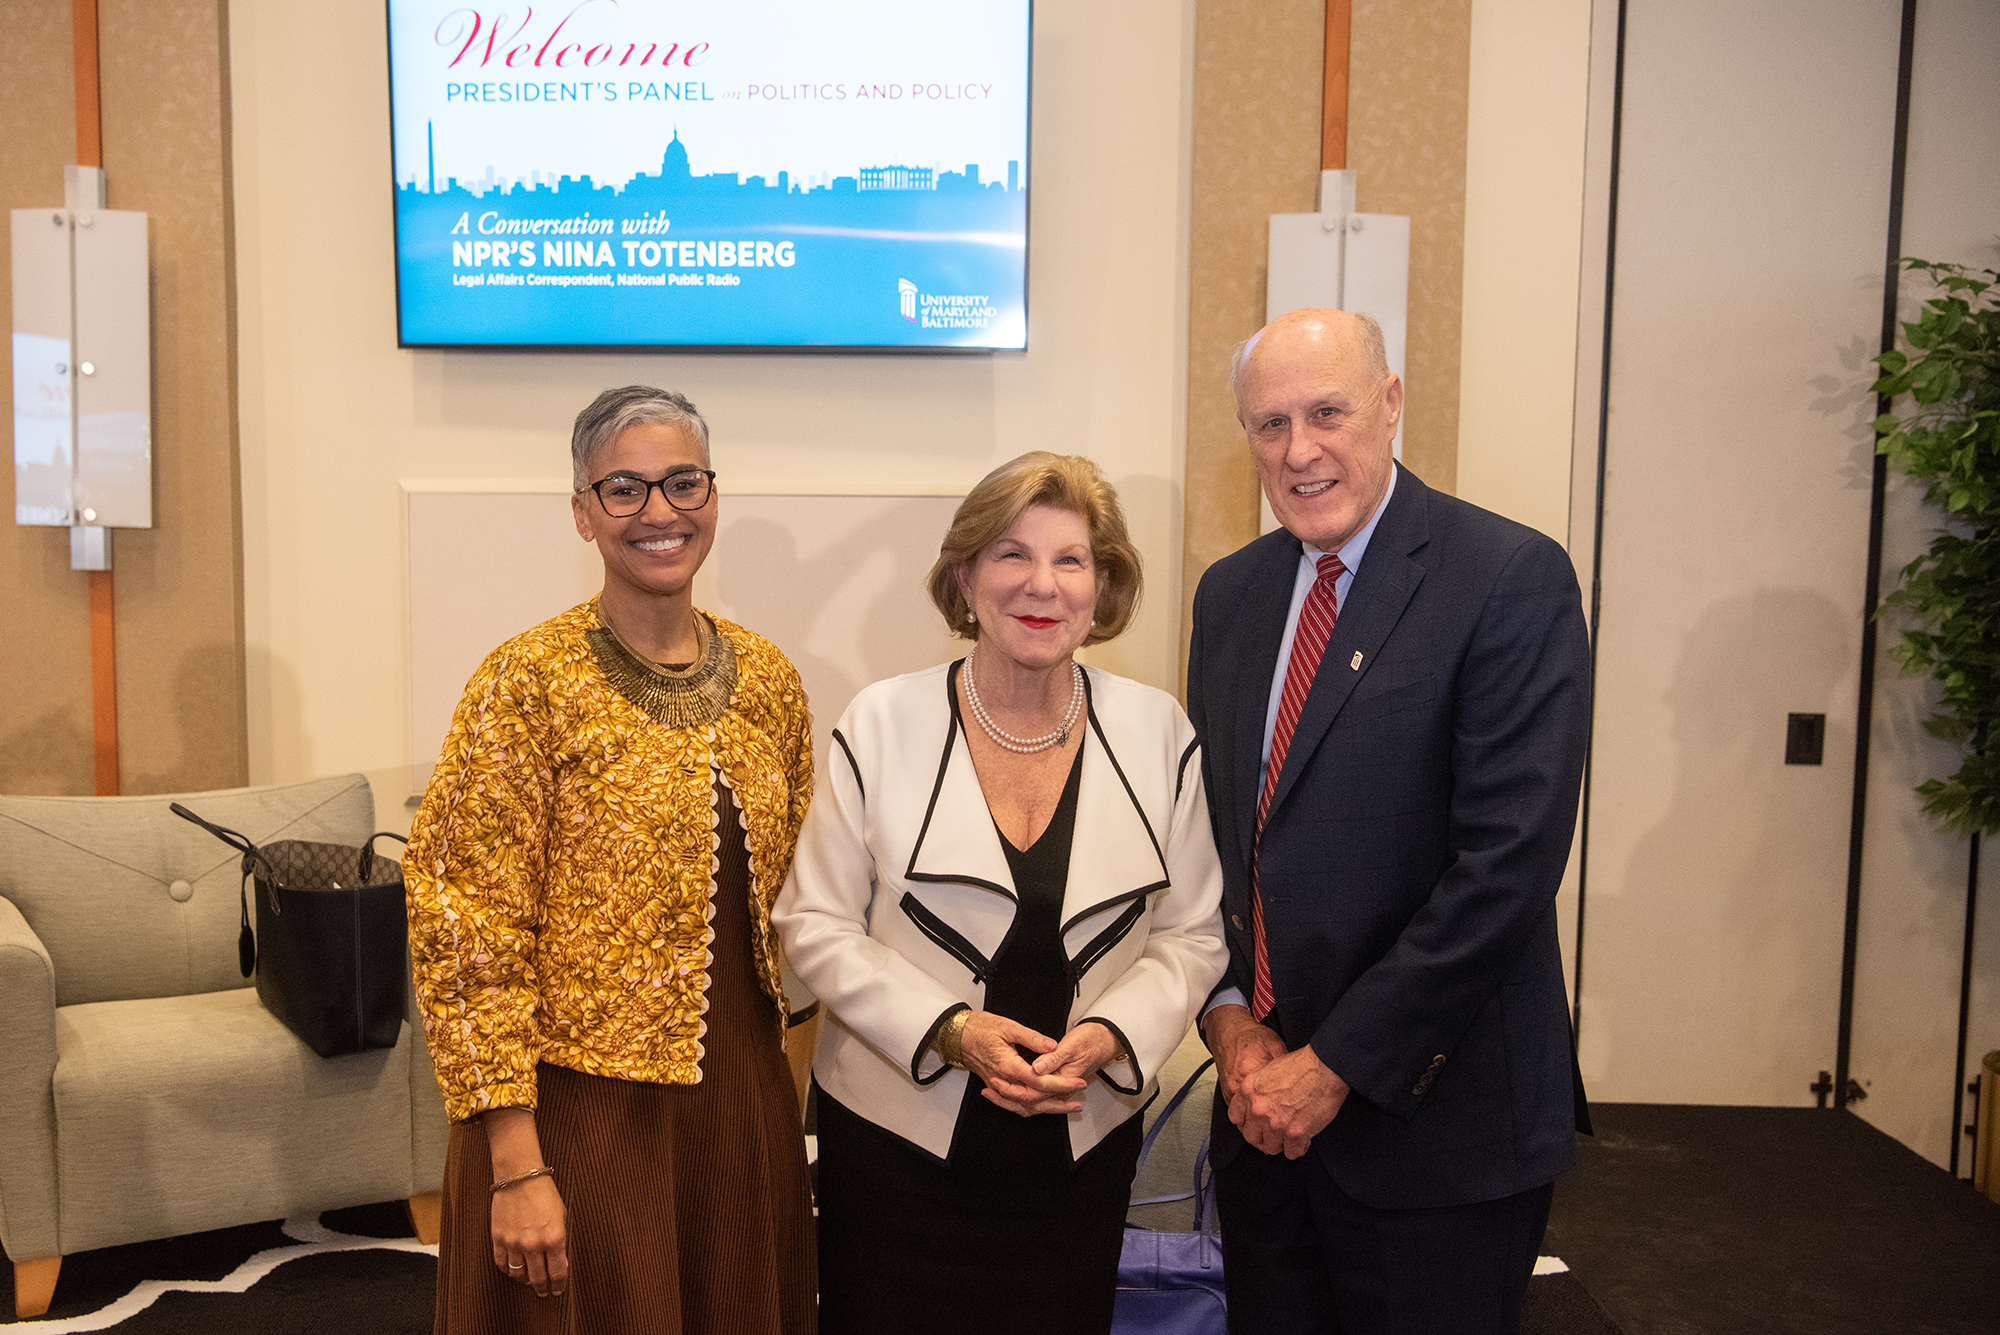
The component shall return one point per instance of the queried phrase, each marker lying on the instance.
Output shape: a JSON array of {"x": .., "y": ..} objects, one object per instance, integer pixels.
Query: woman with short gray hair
[{"x": 590, "y": 882}]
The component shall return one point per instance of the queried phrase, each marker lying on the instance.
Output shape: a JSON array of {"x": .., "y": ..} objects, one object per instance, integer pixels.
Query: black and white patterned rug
[{"x": 342, "y": 1271}]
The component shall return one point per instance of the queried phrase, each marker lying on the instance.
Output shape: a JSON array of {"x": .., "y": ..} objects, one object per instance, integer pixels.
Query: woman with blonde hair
[
  {"x": 590, "y": 878},
  {"x": 1007, "y": 899}
]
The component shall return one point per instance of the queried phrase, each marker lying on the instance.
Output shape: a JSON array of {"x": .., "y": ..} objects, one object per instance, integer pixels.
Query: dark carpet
[
  {"x": 1677, "y": 1221},
  {"x": 1726, "y": 1221},
  {"x": 390, "y": 1293}
]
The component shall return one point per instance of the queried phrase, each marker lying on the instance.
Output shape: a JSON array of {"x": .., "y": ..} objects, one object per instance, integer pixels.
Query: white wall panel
[{"x": 1753, "y": 193}]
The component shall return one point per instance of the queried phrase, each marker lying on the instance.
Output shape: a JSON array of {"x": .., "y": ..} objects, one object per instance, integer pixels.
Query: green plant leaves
[{"x": 1950, "y": 441}]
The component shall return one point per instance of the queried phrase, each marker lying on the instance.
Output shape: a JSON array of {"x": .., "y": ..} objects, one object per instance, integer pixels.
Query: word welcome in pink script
[{"x": 517, "y": 49}]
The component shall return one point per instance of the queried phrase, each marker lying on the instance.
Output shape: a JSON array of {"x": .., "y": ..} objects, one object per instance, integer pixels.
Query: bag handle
[
  {"x": 1204, "y": 1203},
  {"x": 368, "y": 852},
  {"x": 1202, "y": 1194},
  {"x": 227, "y": 836},
  {"x": 1159, "y": 1125},
  {"x": 246, "y": 940},
  {"x": 253, "y": 857}
]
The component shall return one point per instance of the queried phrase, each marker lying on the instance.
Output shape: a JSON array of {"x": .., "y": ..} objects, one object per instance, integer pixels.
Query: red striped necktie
[{"x": 1315, "y": 628}]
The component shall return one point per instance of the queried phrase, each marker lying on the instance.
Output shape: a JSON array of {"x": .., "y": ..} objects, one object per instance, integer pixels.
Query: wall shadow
[
  {"x": 1717, "y": 953},
  {"x": 848, "y": 612},
  {"x": 39, "y": 756}
]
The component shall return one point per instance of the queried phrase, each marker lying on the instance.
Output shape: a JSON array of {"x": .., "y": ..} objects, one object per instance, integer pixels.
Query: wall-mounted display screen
[{"x": 711, "y": 173}]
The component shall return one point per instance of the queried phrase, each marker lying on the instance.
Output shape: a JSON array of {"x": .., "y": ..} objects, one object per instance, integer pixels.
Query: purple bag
[{"x": 1171, "y": 1283}]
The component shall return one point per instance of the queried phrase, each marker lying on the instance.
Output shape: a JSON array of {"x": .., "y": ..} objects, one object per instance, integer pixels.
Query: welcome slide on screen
[{"x": 756, "y": 173}]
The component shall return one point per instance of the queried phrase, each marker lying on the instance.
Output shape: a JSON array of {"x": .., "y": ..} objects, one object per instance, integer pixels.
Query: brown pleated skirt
[{"x": 689, "y": 1206}]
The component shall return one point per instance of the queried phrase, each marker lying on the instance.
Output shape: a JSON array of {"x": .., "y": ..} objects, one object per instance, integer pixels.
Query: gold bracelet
[
  {"x": 950, "y": 1041},
  {"x": 543, "y": 1171}
]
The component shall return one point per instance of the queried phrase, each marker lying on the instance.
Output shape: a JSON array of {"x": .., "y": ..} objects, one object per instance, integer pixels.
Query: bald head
[
  {"x": 1320, "y": 407},
  {"x": 1360, "y": 332}
]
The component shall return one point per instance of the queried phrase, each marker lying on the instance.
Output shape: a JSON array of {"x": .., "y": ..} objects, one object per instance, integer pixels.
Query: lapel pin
[{"x": 1355, "y": 662}]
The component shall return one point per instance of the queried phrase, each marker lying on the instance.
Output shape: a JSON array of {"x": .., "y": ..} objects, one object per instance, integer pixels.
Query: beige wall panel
[
  {"x": 334, "y": 416},
  {"x": 1528, "y": 105},
  {"x": 179, "y": 584},
  {"x": 1406, "y": 143},
  {"x": 1259, "y": 71},
  {"x": 1257, "y": 75},
  {"x": 1735, "y": 537},
  {"x": 1524, "y": 163},
  {"x": 44, "y": 605},
  {"x": 1912, "y": 928}
]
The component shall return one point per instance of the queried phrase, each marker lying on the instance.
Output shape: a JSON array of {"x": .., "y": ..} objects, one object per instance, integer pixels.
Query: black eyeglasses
[{"x": 623, "y": 495}]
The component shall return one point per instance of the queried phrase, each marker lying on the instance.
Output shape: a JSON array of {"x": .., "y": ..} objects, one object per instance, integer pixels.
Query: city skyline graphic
[
  {"x": 891, "y": 255},
  {"x": 677, "y": 177}
]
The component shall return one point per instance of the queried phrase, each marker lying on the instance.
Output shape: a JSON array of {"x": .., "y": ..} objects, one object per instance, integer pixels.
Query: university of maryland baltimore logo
[{"x": 944, "y": 311}]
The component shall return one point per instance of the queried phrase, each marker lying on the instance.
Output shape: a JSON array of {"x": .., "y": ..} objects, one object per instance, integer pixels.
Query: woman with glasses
[
  {"x": 1007, "y": 899},
  {"x": 590, "y": 881}
]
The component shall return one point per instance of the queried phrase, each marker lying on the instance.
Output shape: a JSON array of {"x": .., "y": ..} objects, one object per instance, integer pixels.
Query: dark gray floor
[
  {"x": 1726, "y": 1221},
  {"x": 1677, "y": 1221}
]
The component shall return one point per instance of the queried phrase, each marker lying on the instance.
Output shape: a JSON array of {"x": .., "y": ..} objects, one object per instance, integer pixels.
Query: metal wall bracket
[
  {"x": 82, "y": 357},
  {"x": 89, "y": 547}
]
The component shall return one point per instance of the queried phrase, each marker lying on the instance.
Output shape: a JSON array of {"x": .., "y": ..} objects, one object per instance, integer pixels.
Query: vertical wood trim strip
[
  {"x": 1333, "y": 101},
  {"x": 104, "y": 683},
  {"x": 89, "y": 123},
  {"x": 103, "y": 637}
]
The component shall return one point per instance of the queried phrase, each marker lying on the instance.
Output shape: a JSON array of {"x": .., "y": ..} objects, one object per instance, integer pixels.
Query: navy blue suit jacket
[{"x": 1415, "y": 843}]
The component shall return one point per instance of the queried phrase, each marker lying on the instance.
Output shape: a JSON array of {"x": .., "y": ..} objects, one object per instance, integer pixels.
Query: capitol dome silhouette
[{"x": 674, "y": 162}]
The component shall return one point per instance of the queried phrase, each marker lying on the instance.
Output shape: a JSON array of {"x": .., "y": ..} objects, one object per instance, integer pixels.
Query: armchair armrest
[
  {"x": 430, "y": 1127},
  {"x": 27, "y": 1089}
]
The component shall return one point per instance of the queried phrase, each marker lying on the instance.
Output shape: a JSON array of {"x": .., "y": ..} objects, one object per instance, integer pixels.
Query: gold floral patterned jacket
[{"x": 561, "y": 866}]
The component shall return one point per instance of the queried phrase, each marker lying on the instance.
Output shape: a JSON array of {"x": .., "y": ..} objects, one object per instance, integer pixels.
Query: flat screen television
[{"x": 808, "y": 174}]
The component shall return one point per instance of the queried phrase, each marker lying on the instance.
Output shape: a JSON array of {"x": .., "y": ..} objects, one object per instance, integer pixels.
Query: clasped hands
[
  {"x": 989, "y": 1048},
  {"x": 1280, "y": 1100}
]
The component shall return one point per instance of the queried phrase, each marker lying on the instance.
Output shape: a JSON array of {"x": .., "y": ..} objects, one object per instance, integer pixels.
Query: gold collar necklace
[{"x": 690, "y": 697}]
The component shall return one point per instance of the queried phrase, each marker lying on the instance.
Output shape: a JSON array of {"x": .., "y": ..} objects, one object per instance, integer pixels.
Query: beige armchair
[{"x": 144, "y": 1092}]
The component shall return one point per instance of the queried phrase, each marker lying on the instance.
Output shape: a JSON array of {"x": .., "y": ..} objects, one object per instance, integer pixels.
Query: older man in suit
[{"x": 1393, "y": 697}]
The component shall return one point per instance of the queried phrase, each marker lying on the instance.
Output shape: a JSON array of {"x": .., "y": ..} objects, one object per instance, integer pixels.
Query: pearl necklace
[{"x": 1024, "y": 745}]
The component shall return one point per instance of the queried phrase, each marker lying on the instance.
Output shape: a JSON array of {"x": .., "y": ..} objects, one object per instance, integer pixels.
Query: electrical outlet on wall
[{"x": 1805, "y": 738}]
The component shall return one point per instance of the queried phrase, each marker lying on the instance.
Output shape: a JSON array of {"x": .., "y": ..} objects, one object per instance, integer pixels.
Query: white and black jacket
[{"x": 900, "y": 895}]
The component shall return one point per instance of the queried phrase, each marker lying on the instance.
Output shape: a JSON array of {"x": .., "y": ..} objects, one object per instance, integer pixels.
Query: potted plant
[{"x": 1951, "y": 443}]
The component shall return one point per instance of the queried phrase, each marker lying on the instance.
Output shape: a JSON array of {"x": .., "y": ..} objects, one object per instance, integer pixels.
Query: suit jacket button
[{"x": 1236, "y": 921}]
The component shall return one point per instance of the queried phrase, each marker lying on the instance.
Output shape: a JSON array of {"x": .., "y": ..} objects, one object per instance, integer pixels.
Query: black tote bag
[{"x": 331, "y": 950}]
